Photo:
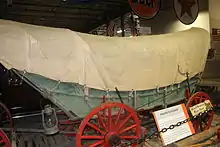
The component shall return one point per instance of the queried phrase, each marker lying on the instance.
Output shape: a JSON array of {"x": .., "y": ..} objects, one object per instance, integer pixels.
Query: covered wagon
[{"x": 85, "y": 76}]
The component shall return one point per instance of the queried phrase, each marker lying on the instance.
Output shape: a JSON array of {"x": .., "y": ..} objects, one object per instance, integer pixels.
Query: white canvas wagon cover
[{"x": 101, "y": 62}]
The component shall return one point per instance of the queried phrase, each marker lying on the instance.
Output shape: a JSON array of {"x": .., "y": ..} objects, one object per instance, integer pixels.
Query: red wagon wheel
[
  {"x": 4, "y": 141},
  {"x": 111, "y": 124},
  {"x": 5, "y": 117},
  {"x": 205, "y": 122}
]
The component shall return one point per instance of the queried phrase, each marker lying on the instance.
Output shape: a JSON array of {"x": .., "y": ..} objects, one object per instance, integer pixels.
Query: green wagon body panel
[{"x": 72, "y": 98}]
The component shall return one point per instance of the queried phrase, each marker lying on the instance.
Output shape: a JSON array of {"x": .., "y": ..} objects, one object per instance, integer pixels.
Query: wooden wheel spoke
[
  {"x": 104, "y": 113},
  {"x": 95, "y": 128},
  {"x": 205, "y": 121},
  {"x": 200, "y": 126},
  {"x": 203, "y": 99},
  {"x": 197, "y": 100},
  {"x": 109, "y": 119},
  {"x": 118, "y": 116},
  {"x": 62, "y": 127},
  {"x": 113, "y": 124},
  {"x": 128, "y": 137},
  {"x": 92, "y": 137},
  {"x": 128, "y": 128},
  {"x": 206, "y": 117},
  {"x": 2, "y": 141},
  {"x": 194, "y": 102},
  {"x": 101, "y": 121},
  {"x": 195, "y": 123},
  {"x": 124, "y": 122},
  {"x": 101, "y": 142},
  {"x": 3, "y": 112}
]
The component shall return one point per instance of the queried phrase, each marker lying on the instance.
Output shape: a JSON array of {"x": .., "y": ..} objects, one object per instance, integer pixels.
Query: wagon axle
[{"x": 113, "y": 139}]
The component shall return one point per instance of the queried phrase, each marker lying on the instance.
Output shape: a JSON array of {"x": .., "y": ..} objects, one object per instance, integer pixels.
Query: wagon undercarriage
[{"x": 110, "y": 124}]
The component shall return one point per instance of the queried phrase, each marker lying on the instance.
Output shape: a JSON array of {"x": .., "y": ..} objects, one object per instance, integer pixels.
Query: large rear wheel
[{"x": 204, "y": 122}]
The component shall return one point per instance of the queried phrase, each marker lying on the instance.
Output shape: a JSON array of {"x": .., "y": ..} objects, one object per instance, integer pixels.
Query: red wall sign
[{"x": 145, "y": 8}]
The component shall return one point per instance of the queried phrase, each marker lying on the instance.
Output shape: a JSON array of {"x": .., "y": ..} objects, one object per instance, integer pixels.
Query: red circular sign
[{"x": 145, "y": 8}]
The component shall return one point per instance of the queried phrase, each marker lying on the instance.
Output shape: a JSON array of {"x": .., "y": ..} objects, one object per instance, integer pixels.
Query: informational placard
[
  {"x": 201, "y": 107},
  {"x": 170, "y": 116}
]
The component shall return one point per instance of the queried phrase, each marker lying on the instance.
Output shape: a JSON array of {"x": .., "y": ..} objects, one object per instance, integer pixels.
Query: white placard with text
[{"x": 170, "y": 116}]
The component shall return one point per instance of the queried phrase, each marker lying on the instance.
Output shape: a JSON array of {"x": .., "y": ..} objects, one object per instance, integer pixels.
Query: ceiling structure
[{"x": 77, "y": 16}]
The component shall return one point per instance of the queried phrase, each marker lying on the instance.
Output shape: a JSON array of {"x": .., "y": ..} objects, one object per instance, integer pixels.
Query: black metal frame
[{"x": 81, "y": 17}]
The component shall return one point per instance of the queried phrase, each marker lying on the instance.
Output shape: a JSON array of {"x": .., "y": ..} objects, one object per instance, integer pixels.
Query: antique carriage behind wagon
[{"x": 57, "y": 73}]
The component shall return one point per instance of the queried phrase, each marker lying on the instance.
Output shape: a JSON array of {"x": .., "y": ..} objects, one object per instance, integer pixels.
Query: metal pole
[
  {"x": 122, "y": 26},
  {"x": 107, "y": 24}
]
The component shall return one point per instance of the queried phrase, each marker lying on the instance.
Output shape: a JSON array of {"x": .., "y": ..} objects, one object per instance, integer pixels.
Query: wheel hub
[{"x": 113, "y": 139}]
